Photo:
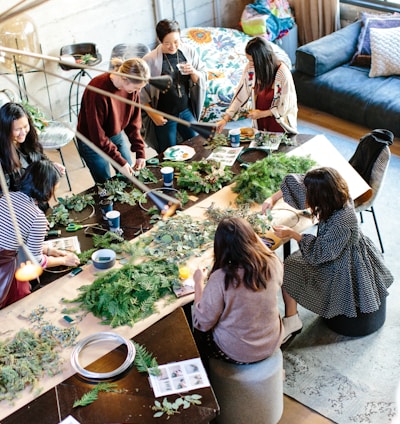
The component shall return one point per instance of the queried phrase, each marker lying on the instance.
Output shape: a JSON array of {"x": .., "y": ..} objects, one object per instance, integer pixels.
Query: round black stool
[{"x": 362, "y": 325}]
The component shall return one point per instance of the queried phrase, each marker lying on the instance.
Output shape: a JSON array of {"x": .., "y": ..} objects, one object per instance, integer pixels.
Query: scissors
[{"x": 72, "y": 227}]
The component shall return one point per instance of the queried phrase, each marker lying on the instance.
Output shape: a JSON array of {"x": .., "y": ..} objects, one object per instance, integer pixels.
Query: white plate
[{"x": 180, "y": 152}]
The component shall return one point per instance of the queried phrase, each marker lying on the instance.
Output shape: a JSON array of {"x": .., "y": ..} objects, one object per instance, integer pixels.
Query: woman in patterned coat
[
  {"x": 267, "y": 80},
  {"x": 339, "y": 270}
]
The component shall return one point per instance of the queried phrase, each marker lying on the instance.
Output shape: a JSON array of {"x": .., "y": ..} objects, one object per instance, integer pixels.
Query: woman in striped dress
[
  {"x": 37, "y": 185},
  {"x": 339, "y": 270}
]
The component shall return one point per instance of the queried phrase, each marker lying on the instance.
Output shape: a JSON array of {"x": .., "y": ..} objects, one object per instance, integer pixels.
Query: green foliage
[
  {"x": 172, "y": 408},
  {"x": 92, "y": 395},
  {"x": 145, "y": 175},
  {"x": 76, "y": 202},
  {"x": 144, "y": 359},
  {"x": 178, "y": 238},
  {"x": 264, "y": 177},
  {"x": 126, "y": 295},
  {"x": 40, "y": 120},
  {"x": 31, "y": 354},
  {"x": 201, "y": 177}
]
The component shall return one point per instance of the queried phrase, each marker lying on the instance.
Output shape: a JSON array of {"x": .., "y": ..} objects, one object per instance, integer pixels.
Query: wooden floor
[{"x": 294, "y": 412}]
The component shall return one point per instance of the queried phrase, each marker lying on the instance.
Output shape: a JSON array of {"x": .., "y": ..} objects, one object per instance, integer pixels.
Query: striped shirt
[{"x": 32, "y": 223}]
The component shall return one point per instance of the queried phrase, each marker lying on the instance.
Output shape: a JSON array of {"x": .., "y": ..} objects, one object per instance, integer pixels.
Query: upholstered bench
[
  {"x": 362, "y": 325},
  {"x": 249, "y": 394}
]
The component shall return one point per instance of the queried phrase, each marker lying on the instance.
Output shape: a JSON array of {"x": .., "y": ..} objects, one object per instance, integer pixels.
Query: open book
[{"x": 66, "y": 243}]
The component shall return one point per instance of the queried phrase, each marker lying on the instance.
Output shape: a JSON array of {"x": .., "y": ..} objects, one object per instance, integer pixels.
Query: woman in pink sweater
[{"x": 237, "y": 310}]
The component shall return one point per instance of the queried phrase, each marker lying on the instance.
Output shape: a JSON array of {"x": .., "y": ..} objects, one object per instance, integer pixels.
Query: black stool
[
  {"x": 78, "y": 52},
  {"x": 362, "y": 325}
]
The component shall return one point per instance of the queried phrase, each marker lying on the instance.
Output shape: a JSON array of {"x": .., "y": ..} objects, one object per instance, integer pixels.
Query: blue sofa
[{"x": 326, "y": 81}]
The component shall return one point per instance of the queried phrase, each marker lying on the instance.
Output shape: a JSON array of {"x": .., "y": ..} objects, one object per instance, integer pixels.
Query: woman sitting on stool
[
  {"x": 237, "y": 311},
  {"x": 337, "y": 272}
]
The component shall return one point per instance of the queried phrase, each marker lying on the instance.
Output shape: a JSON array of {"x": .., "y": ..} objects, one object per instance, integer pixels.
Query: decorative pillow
[
  {"x": 362, "y": 56},
  {"x": 385, "y": 52}
]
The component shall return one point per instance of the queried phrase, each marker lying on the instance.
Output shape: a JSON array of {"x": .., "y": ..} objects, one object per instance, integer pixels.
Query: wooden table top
[
  {"x": 65, "y": 287},
  {"x": 169, "y": 339}
]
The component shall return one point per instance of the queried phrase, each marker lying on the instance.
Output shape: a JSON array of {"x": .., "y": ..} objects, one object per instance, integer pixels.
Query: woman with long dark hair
[
  {"x": 19, "y": 143},
  {"x": 237, "y": 309},
  {"x": 37, "y": 185},
  {"x": 339, "y": 270},
  {"x": 268, "y": 82}
]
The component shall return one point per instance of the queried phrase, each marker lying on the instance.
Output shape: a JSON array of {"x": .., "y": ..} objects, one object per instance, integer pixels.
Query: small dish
[
  {"x": 103, "y": 258},
  {"x": 178, "y": 153}
]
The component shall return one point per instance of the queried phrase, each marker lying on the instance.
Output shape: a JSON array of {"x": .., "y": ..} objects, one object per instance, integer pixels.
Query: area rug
[{"x": 352, "y": 380}]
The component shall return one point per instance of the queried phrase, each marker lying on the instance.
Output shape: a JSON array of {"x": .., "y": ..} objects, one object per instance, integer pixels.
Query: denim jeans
[
  {"x": 98, "y": 167},
  {"x": 166, "y": 134}
]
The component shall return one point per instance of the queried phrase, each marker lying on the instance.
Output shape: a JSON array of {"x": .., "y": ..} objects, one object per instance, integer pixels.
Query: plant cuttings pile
[
  {"x": 127, "y": 295},
  {"x": 264, "y": 177},
  {"x": 202, "y": 176}
]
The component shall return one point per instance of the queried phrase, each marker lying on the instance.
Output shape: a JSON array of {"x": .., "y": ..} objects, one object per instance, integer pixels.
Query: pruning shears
[{"x": 72, "y": 227}]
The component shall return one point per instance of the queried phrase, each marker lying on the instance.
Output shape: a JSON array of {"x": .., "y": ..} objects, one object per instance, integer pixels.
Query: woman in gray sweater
[{"x": 237, "y": 310}]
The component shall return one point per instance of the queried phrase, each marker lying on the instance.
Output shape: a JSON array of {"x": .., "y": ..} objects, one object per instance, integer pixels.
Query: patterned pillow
[
  {"x": 385, "y": 52},
  {"x": 362, "y": 56},
  {"x": 223, "y": 52}
]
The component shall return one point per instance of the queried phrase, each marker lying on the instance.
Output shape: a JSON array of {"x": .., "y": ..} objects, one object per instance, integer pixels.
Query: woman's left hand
[
  {"x": 139, "y": 164},
  {"x": 258, "y": 114},
  {"x": 60, "y": 168}
]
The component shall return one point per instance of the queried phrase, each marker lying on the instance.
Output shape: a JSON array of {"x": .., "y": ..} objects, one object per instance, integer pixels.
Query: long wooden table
[{"x": 12, "y": 317}]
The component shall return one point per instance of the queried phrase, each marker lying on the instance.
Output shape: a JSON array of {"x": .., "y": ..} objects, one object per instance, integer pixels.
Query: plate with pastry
[
  {"x": 247, "y": 134},
  {"x": 179, "y": 152}
]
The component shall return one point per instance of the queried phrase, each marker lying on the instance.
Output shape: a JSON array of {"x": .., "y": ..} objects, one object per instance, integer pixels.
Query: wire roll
[{"x": 102, "y": 337}]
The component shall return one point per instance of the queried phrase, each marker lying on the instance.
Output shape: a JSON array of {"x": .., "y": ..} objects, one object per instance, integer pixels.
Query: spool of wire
[{"x": 98, "y": 338}]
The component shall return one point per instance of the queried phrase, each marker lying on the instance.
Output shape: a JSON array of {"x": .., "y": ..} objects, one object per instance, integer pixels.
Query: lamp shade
[
  {"x": 27, "y": 267},
  {"x": 19, "y": 33}
]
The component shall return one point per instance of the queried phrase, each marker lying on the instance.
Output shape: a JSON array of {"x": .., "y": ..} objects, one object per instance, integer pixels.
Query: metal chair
[
  {"x": 371, "y": 160},
  {"x": 126, "y": 51}
]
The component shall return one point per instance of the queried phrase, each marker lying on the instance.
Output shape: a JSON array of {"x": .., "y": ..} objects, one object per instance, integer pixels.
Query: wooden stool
[
  {"x": 249, "y": 394},
  {"x": 362, "y": 325}
]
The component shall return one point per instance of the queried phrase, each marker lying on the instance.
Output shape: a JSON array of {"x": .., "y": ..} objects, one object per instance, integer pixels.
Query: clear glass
[{"x": 19, "y": 33}]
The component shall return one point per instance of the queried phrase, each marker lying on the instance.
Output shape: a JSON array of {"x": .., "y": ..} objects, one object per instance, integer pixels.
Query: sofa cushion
[
  {"x": 362, "y": 56},
  {"x": 385, "y": 52},
  {"x": 326, "y": 53}
]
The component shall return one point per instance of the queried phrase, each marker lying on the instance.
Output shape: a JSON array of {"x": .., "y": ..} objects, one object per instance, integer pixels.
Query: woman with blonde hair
[{"x": 104, "y": 120}]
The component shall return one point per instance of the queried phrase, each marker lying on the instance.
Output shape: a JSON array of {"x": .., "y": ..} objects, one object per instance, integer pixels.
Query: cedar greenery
[
  {"x": 92, "y": 395},
  {"x": 126, "y": 295},
  {"x": 264, "y": 177}
]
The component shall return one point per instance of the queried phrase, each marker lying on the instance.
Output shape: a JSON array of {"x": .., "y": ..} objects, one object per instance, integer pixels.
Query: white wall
[{"x": 105, "y": 23}]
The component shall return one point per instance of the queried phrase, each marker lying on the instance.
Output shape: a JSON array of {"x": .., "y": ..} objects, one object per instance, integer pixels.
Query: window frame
[{"x": 382, "y": 5}]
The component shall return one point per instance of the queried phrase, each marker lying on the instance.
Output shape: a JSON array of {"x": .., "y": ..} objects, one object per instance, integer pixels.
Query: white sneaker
[{"x": 292, "y": 326}]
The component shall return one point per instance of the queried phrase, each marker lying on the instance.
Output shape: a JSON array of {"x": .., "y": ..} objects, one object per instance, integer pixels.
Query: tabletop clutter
[{"x": 161, "y": 261}]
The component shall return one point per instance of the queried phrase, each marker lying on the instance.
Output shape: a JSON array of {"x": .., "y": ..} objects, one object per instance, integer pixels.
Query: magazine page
[
  {"x": 177, "y": 377},
  {"x": 225, "y": 155},
  {"x": 66, "y": 243}
]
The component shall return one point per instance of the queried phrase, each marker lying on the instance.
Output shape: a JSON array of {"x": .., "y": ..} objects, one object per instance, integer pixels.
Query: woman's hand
[
  {"x": 139, "y": 164},
  {"x": 284, "y": 232},
  {"x": 267, "y": 205},
  {"x": 158, "y": 120},
  {"x": 60, "y": 168},
  {"x": 220, "y": 125},
  {"x": 71, "y": 259},
  {"x": 127, "y": 169},
  {"x": 258, "y": 114}
]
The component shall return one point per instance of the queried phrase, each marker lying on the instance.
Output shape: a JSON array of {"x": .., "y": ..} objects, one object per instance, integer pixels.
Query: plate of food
[
  {"x": 178, "y": 153},
  {"x": 247, "y": 134}
]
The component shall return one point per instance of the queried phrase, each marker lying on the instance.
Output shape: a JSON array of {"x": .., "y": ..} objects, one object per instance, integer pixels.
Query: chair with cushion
[
  {"x": 250, "y": 393},
  {"x": 371, "y": 161}
]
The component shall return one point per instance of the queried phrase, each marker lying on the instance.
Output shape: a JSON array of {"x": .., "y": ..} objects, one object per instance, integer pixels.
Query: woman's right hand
[
  {"x": 71, "y": 259},
  {"x": 158, "y": 120},
  {"x": 220, "y": 125}
]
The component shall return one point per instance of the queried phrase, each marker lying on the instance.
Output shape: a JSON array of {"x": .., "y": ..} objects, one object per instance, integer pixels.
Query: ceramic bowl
[{"x": 103, "y": 258}]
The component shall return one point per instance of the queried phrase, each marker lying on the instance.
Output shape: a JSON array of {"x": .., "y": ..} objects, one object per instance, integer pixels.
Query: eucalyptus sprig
[{"x": 172, "y": 408}]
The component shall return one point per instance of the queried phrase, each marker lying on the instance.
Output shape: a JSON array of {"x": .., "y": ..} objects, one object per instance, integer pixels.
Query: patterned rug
[{"x": 352, "y": 380}]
